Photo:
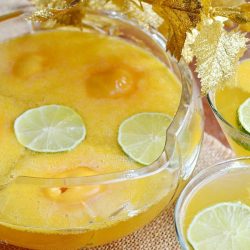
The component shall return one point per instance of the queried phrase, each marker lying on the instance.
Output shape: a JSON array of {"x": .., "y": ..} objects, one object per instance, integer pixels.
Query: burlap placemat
[{"x": 160, "y": 233}]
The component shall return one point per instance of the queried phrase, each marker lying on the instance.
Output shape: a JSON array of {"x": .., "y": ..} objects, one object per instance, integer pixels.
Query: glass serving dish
[
  {"x": 222, "y": 183},
  {"x": 171, "y": 171},
  {"x": 225, "y": 104}
]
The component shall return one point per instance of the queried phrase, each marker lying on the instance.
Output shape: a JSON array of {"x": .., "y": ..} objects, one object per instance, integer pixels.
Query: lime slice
[
  {"x": 244, "y": 115},
  {"x": 50, "y": 129},
  {"x": 223, "y": 226},
  {"x": 143, "y": 136}
]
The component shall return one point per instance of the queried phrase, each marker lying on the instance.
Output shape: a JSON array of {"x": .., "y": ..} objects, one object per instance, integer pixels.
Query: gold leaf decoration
[
  {"x": 144, "y": 15},
  {"x": 217, "y": 52},
  {"x": 179, "y": 18},
  {"x": 235, "y": 12},
  {"x": 239, "y": 14},
  {"x": 187, "y": 52},
  {"x": 60, "y": 15}
]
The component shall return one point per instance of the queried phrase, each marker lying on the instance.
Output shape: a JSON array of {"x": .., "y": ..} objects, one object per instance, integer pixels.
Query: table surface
[{"x": 211, "y": 125}]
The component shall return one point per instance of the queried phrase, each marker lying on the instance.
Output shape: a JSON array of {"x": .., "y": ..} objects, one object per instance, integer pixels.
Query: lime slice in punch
[
  {"x": 142, "y": 136},
  {"x": 243, "y": 121},
  {"x": 52, "y": 128},
  {"x": 244, "y": 115},
  {"x": 224, "y": 226}
]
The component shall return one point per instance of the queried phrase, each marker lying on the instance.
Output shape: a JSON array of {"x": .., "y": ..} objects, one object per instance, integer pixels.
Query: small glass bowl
[
  {"x": 238, "y": 139},
  {"x": 202, "y": 179}
]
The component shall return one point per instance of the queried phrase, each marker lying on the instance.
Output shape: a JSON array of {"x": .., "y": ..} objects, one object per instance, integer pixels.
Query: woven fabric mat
[{"x": 160, "y": 233}]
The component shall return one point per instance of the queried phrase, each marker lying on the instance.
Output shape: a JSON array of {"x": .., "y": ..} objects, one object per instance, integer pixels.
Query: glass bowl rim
[
  {"x": 203, "y": 175},
  {"x": 118, "y": 176}
]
